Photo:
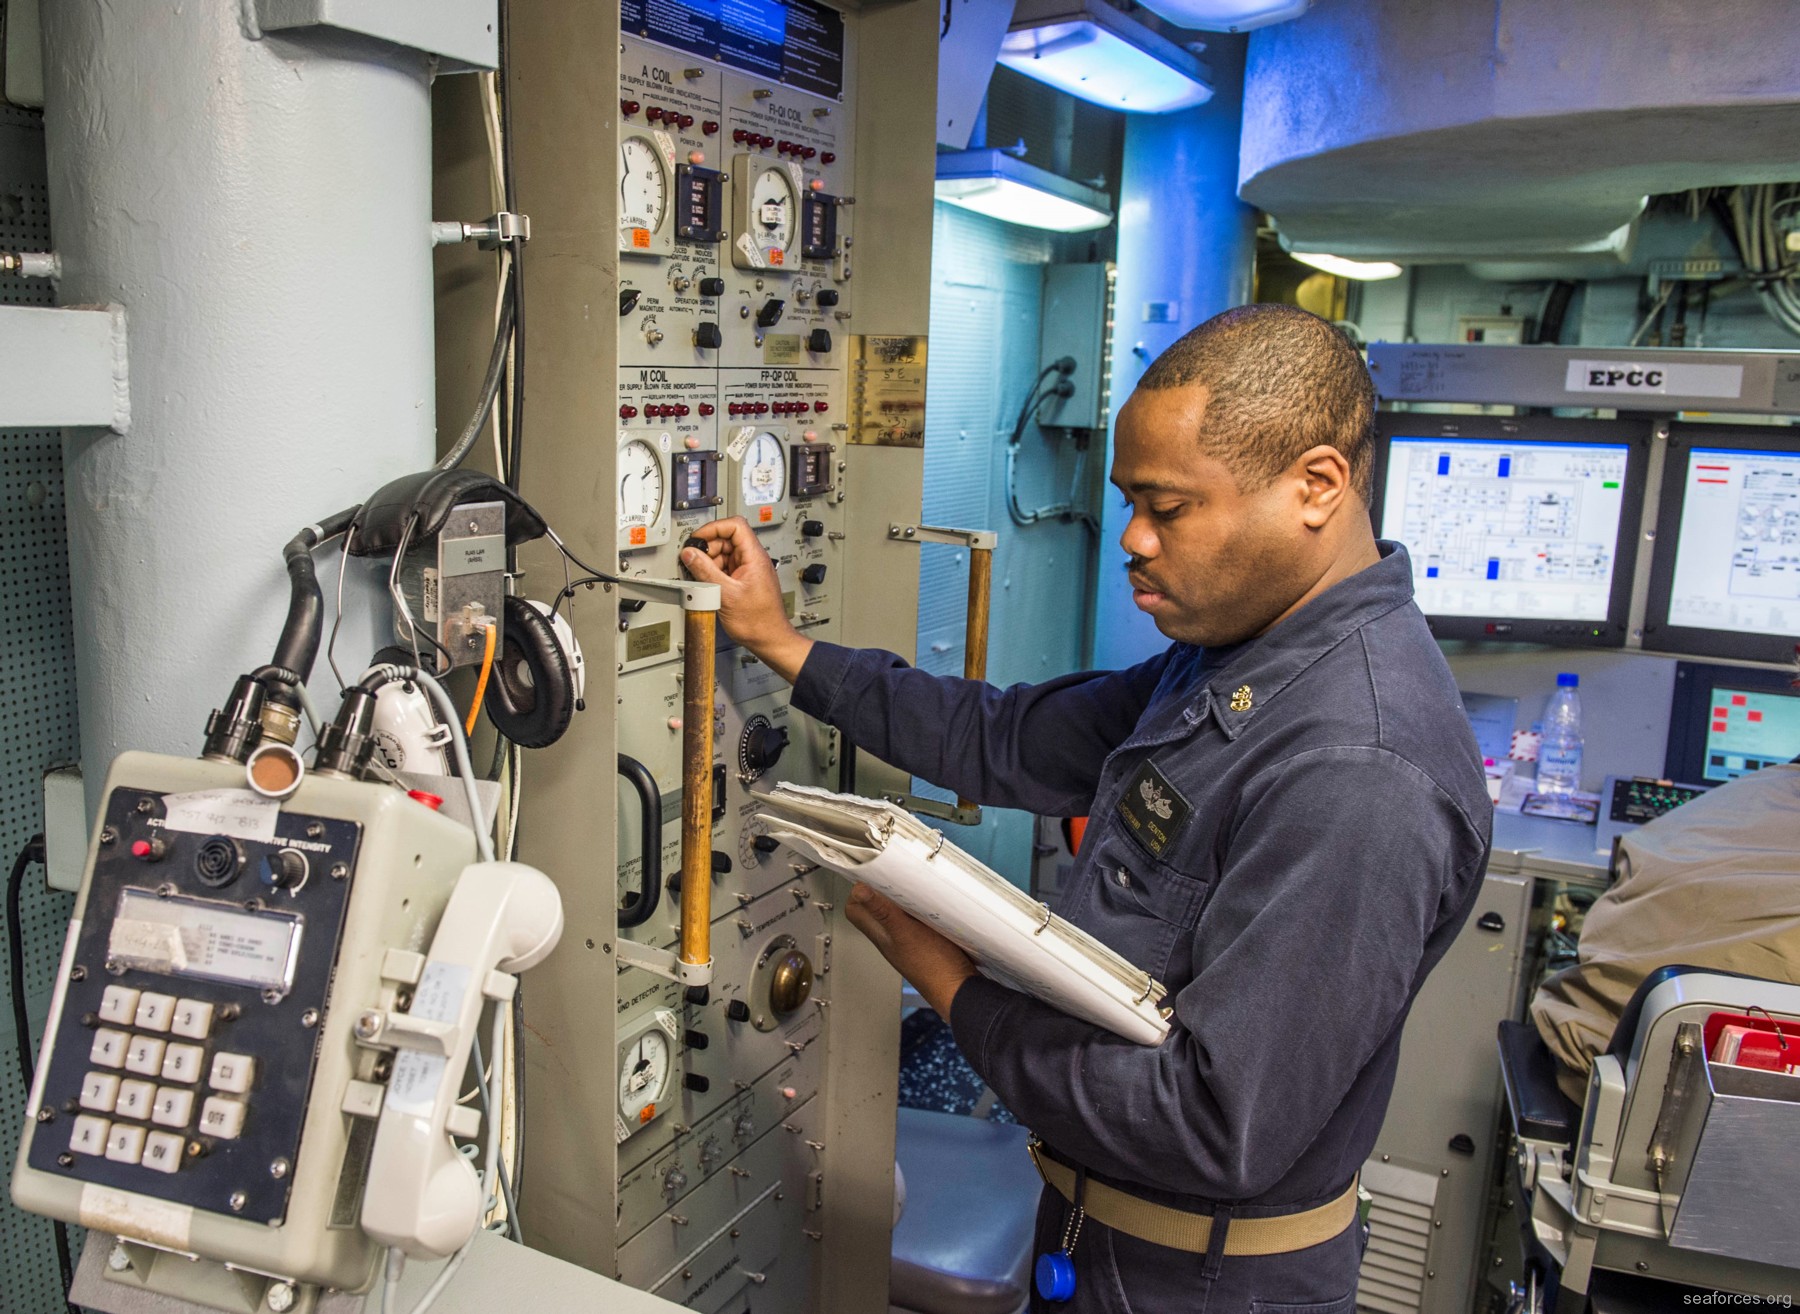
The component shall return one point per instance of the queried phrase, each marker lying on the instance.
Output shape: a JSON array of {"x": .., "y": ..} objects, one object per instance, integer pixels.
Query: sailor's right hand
[{"x": 726, "y": 553}]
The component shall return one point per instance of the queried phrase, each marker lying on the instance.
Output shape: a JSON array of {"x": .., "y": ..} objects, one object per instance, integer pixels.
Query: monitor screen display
[
  {"x": 1515, "y": 536},
  {"x": 1726, "y": 581},
  {"x": 1749, "y": 729}
]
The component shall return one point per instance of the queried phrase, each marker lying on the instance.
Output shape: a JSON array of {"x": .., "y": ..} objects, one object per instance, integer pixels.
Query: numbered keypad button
[
  {"x": 119, "y": 1005},
  {"x": 154, "y": 1011},
  {"x": 193, "y": 1019},
  {"x": 109, "y": 1048},
  {"x": 135, "y": 1099},
  {"x": 145, "y": 1055},
  {"x": 174, "y": 1107},
  {"x": 124, "y": 1143},
  {"x": 183, "y": 1062},
  {"x": 89, "y": 1135},
  {"x": 162, "y": 1151},
  {"x": 232, "y": 1072},
  {"x": 222, "y": 1118},
  {"x": 99, "y": 1091}
]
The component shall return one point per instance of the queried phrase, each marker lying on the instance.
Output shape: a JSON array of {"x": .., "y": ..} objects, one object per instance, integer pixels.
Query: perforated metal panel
[{"x": 37, "y": 689}]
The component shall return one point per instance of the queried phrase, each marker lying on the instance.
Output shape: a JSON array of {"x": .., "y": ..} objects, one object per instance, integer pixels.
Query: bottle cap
[
  {"x": 1568, "y": 680},
  {"x": 1055, "y": 1276}
]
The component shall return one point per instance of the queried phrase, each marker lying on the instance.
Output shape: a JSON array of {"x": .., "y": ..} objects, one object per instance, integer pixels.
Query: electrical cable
[
  {"x": 491, "y": 630},
  {"x": 509, "y": 180},
  {"x": 459, "y": 741},
  {"x": 33, "y": 852},
  {"x": 490, "y": 382},
  {"x": 493, "y": 1127}
]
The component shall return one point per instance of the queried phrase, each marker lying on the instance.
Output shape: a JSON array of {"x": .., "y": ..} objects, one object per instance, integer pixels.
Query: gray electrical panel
[{"x": 1078, "y": 301}]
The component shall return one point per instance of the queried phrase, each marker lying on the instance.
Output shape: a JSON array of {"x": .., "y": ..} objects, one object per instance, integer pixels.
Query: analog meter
[
  {"x": 767, "y": 213},
  {"x": 646, "y": 1073},
  {"x": 643, "y": 472},
  {"x": 758, "y": 480},
  {"x": 644, "y": 194}
]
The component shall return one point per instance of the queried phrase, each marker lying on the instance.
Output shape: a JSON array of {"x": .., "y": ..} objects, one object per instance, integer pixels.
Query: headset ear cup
[{"x": 531, "y": 694}]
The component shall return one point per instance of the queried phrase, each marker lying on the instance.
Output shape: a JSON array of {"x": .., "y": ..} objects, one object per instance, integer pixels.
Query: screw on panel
[
  {"x": 280, "y": 1297},
  {"x": 339, "y": 871},
  {"x": 237, "y": 1202},
  {"x": 231, "y": 1012},
  {"x": 145, "y": 804},
  {"x": 78, "y": 973},
  {"x": 108, "y": 836},
  {"x": 114, "y": 967},
  {"x": 46, "y": 1115},
  {"x": 310, "y": 1018},
  {"x": 368, "y": 1026},
  {"x": 314, "y": 829},
  {"x": 116, "y": 1259},
  {"x": 65, "y": 1160},
  {"x": 271, "y": 996}
]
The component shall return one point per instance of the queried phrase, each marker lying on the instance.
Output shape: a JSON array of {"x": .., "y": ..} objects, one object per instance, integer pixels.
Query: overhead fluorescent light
[
  {"x": 1092, "y": 51},
  {"x": 1227, "y": 15},
  {"x": 993, "y": 183},
  {"x": 1364, "y": 271}
]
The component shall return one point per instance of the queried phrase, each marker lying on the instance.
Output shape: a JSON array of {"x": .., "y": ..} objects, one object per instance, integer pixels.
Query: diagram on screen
[
  {"x": 1737, "y": 561},
  {"x": 1765, "y": 562}
]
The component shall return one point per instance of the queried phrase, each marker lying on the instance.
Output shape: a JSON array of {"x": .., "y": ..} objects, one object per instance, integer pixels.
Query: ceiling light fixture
[
  {"x": 1364, "y": 271},
  {"x": 1093, "y": 52},
  {"x": 993, "y": 183},
  {"x": 1227, "y": 15}
]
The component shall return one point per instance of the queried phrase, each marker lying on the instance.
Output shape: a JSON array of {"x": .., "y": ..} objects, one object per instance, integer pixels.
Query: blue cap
[
  {"x": 1568, "y": 680},
  {"x": 1055, "y": 1275}
]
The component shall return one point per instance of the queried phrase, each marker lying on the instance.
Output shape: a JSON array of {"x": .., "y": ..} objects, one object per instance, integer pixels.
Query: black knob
[
  {"x": 694, "y": 1039},
  {"x": 628, "y": 299},
  {"x": 697, "y": 994},
  {"x": 819, "y": 340},
  {"x": 707, "y": 337},
  {"x": 695, "y": 1082},
  {"x": 827, "y": 297},
  {"x": 813, "y": 574},
  {"x": 770, "y": 315},
  {"x": 712, "y": 287},
  {"x": 283, "y": 869},
  {"x": 812, "y": 529},
  {"x": 765, "y": 844},
  {"x": 738, "y": 1011},
  {"x": 763, "y": 746},
  {"x": 721, "y": 863}
]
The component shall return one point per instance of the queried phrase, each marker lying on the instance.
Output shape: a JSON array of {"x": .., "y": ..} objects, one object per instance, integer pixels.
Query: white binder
[{"x": 1013, "y": 938}]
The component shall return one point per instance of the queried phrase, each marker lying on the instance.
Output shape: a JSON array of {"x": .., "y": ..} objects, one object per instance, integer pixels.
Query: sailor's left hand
[{"x": 936, "y": 966}]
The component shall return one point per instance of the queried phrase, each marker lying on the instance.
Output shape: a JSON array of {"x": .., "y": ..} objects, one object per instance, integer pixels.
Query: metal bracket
[
  {"x": 931, "y": 807},
  {"x": 503, "y": 229},
  {"x": 64, "y": 367},
  {"x": 985, "y": 539},
  {"x": 665, "y": 963},
  {"x": 692, "y": 595}
]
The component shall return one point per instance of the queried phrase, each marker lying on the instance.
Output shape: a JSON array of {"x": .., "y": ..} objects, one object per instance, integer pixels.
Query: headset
[{"x": 539, "y": 675}]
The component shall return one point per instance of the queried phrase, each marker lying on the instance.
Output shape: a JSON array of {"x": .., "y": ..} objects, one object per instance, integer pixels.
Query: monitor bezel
[
  {"x": 1659, "y": 635},
  {"x": 1633, "y": 435},
  {"x": 1690, "y": 711}
]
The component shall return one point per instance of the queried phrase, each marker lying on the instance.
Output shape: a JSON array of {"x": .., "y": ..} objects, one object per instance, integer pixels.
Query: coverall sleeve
[
  {"x": 1034, "y": 746},
  {"x": 1337, "y": 864}
]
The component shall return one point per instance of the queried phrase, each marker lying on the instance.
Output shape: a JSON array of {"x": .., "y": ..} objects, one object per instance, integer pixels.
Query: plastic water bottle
[{"x": 1559, "y": 752}]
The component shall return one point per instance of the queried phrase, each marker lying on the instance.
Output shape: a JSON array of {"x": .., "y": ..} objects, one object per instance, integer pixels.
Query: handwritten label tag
[
  {"x": 239, "y": 813},
  {"x": 417, "y": 1075},
  {"x": 740, "y": 442}
]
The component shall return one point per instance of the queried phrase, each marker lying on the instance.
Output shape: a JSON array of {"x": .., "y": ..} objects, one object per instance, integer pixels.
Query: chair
[
  {"x": 964, "y": 1243},
  {"x": 1678, "y": 1176}
]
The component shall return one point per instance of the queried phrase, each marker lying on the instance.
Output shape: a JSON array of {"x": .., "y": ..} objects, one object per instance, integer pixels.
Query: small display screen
[
  {"x": 812, "y": 469},
  {"x": 1750, "y": 729},
  {"x": 696, "y": 480},
  {"x": 181, "y": 936},
  {"x": 1737, "y": 554},
  {"x": 1498, "y": 528}
]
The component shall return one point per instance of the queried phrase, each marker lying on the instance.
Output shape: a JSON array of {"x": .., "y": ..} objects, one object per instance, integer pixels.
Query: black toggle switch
[
  {"x": 812, "y": 529},
  {"x": 770, "y": 315},
  {"x": 827, "y": 297},
  {"x": 819, "y": 341},
  {"x": 696, "y": 1083},
  {"x": 712, "y": 287},
  {"x": 738, "y": 1011},
  {"x": 697, "y": 994},
  {"x": 628, "y": 299},
  {"x": 694, "y": 1039},
  {"x": 707, "y": 336},
  {"x": 765, "y": 843},
  {"x": 721, "y": 863},
  {"x": 813, "y": 574}
]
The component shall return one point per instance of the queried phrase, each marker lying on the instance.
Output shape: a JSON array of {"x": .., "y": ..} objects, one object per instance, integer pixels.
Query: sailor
[{"x": 1288, "y": 827}]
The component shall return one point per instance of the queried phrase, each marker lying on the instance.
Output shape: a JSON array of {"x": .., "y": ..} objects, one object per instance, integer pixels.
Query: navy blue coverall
[{"x": 1288, "y": 834}]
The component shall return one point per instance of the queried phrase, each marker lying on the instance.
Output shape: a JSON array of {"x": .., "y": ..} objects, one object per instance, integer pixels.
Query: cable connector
[
  {"x": 503, "y": 229},
  {"x": 31, "y": 264}
]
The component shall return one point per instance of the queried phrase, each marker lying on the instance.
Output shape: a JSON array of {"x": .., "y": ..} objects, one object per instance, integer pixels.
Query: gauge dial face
[
  {"x": 762, "y": 477},
  {"x": 644, "y": 1071},
  {"x": 642, "y": 493},
  {"x": 772, "y": 214},
  {"x": 643, "y": 190}
]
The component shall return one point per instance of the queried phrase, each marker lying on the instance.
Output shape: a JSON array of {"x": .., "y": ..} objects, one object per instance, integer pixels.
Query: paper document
[{"x": 1012, "y": 937}]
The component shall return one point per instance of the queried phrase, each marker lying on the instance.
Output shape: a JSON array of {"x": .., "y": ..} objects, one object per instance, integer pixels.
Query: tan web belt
[{"x": 1178, "y": 1229}]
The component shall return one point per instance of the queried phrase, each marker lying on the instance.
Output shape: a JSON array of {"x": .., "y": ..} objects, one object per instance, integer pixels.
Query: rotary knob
[
  {"x": 744, "y": 1128},
  {"x": 791, "y": 984},
  {"x": 760, "y": 748},
  {"x": 711, "y": 1152},
  {"x": 674, "y": 1181}
]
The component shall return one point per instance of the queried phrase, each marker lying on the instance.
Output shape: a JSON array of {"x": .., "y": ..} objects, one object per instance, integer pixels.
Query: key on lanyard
[{"x": 1055, "y": 1273}]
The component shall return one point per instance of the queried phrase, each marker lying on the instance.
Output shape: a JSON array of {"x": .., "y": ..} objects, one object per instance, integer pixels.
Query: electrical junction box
[{"x": 1077, "y": 319}]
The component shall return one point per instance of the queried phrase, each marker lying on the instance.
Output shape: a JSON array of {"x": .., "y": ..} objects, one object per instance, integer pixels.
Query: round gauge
[
  {"x": 643, "y": 187},
  {"x": 773, "y": 216},
  {"x": 644, "y": 1070},
  {"x": 762, "y": 476},
  {"x": 641, "y": 490}
]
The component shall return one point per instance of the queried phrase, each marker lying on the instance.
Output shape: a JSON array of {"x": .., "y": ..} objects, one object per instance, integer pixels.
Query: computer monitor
[
  {"x": 1520, "y": 529},
  {"x": 1730, "y": 721},
  {"x": 1725, "y": 576}
]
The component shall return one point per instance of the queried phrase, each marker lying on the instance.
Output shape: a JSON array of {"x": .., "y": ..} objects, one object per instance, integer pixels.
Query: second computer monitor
[
  {"x": 1521, "y": 529},
  {"x": 1725, "y": 579}
]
